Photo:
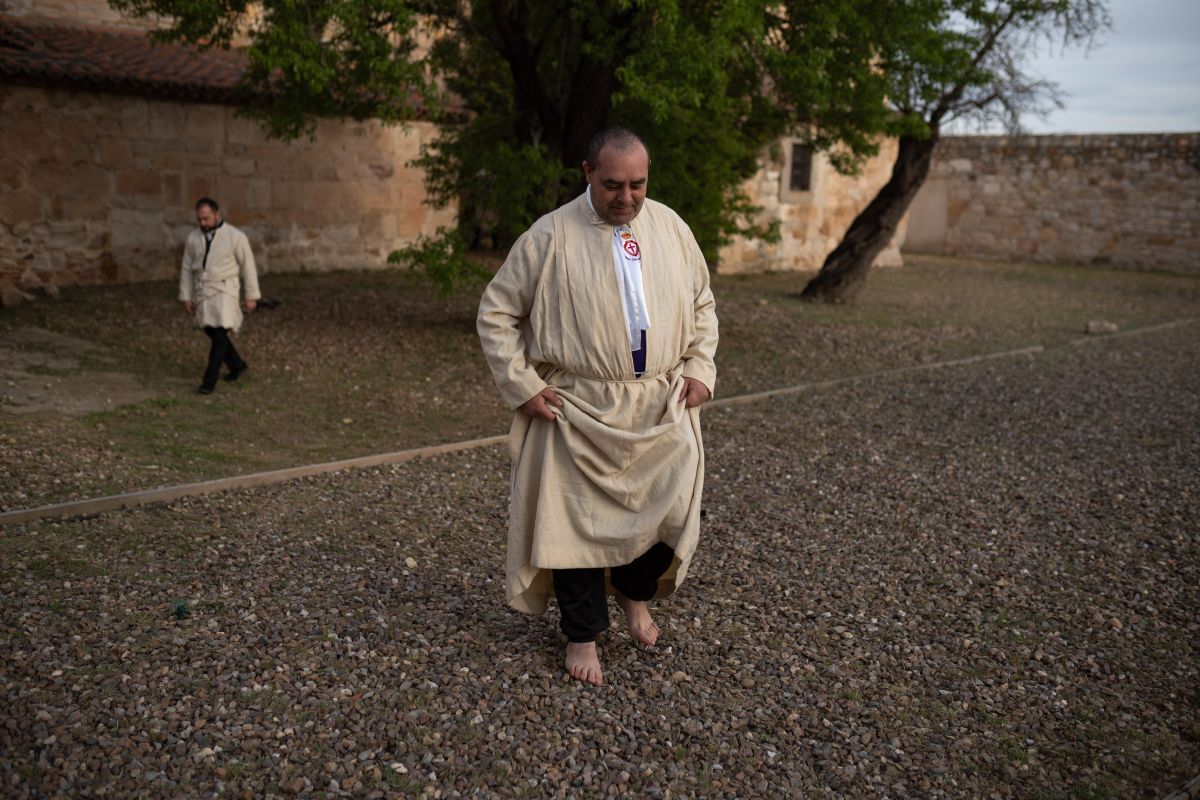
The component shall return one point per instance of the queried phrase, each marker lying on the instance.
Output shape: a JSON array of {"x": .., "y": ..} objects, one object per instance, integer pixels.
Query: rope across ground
[{"x": 970, "y": 582}]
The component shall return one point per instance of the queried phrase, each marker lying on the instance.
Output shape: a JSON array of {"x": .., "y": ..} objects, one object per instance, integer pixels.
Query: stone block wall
[
  {"x": 812, "y": 222},
  {"x": 98, "y": 188},
  {"x": 83, "y": 13},
  {"x": 1125, "y": 200}
]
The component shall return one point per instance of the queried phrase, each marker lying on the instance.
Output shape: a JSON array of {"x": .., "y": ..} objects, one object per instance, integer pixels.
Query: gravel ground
[{"x": 972, "y": 582}]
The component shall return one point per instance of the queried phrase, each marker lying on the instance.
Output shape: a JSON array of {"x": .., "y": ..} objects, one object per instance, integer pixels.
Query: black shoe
[
  {"x": 234, "y": 374},
  {"x": 206, "y": 389}
]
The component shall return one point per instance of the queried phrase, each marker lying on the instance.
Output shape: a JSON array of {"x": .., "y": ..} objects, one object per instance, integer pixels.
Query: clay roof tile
[{"x": 128, "y": 62}]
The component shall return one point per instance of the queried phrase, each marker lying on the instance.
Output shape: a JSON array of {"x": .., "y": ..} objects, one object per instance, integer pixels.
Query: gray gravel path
[{"x": 972, "y": 582}]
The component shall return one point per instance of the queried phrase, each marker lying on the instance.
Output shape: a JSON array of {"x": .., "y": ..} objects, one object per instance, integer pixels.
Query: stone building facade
[
  {"x": 814, "y": 206},
  {"x": 1127, "y": 200},
  {"x": 101, "y": 188},
  {"x": 110, "y": 140},
  {"x": 75, "y": 13}
]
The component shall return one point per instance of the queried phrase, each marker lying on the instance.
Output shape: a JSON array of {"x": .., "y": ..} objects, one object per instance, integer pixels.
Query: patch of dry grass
[{"x": 354, "y": 363}]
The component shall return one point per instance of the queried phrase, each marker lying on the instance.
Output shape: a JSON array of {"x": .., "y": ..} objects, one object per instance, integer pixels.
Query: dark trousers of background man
[
  {"x": 220, "y": 352},
  {"x": 583, "y": 602}
]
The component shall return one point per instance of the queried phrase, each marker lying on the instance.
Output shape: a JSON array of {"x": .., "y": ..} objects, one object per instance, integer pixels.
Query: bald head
[{"x": 621, "y": 140}]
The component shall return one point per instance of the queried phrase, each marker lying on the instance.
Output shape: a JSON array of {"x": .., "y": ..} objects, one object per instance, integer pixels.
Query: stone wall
[
  {"x": 81, "y": 13},
  {"x": 1122, "y": 200},
  {"x": 811, "y": 222},
  {"x": 98, "y": 188}
]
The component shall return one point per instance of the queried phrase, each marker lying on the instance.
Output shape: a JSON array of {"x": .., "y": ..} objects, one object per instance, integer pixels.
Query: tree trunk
[
  {"x": 845, "y": 270},
  {"x": 589, "y": 100},
  {"x": 564, "y": 119},
  {"x": 592, "y": 88}
]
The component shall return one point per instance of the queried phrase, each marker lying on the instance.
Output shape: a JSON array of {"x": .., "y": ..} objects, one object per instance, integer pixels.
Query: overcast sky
[{"x": 1143, "y": 76}]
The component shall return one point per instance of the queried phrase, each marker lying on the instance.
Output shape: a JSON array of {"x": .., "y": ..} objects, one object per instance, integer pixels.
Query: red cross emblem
[{"x": 631, "y": 247}]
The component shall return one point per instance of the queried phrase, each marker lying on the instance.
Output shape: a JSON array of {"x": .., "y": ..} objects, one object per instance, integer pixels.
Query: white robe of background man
[
  {"x": 622, "y": 465},
  {"x": 214, "y": 285}
]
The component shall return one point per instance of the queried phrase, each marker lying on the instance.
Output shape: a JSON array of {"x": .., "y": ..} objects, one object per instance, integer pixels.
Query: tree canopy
[
  {"x": 948, "y": 60},
  {"x": 520, "y": 86}
]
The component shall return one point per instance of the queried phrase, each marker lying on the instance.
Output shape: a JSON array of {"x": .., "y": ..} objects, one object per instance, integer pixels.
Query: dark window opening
[{"x": 801, "y": 177}]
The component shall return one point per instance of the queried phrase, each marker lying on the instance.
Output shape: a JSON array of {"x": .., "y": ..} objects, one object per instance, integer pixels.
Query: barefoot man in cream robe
[{"x": 600, "y": 330}]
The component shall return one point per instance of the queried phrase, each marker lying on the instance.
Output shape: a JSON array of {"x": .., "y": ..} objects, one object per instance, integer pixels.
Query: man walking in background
[
  {"x": 600, "y": 330},
  {"x": 217, "y": 265}
]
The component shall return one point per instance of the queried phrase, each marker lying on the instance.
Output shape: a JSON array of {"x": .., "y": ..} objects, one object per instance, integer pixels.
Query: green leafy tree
[
  {"x": 443, "y": 261},
  {"x": 947, "y": 60},
  {"x": 541, "y": 78},
  {"x": 520, "y": 87}
]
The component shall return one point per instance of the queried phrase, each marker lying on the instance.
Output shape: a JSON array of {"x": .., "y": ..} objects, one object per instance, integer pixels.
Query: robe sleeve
[
  {"x": 507, "y": 301},
  {"x": 249, "y": 274},
  {"x": 185, "y": 271},
  {"x": 699, "y": 357}
]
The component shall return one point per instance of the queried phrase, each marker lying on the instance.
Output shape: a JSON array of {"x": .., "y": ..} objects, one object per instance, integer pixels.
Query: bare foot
[
  {"x": 583, "y": 663},
  {"x": 637, "y": 614}
]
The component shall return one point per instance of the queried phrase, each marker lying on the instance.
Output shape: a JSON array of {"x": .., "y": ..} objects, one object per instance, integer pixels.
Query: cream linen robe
[
  {"x": 214, "y": 287},
  {"x": 622, "y": 466}
]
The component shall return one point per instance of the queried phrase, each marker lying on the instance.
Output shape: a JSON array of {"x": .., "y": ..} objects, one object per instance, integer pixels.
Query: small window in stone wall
[{"x": 800, "y": 178}]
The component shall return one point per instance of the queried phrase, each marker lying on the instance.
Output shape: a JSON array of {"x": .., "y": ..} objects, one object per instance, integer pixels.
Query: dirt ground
[
  {"x": 42, "y": 372},
  {"x": 97, "y": 394}
]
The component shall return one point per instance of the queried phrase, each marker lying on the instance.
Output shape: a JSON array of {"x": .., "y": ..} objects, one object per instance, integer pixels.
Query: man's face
[
  {"x": 618, "y": 182},
  {"x": 207, "y": 218}
]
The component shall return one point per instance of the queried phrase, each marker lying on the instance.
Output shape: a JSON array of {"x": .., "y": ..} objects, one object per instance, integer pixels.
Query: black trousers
[
  {"x": 221, "y": 351},
  {"x": 582, "y": 600}
]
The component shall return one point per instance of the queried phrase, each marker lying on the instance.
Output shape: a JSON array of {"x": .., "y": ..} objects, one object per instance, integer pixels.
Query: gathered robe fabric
[
  {"x": 622, "y": 465},
  {"x": 214, "y": 285}
]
